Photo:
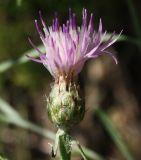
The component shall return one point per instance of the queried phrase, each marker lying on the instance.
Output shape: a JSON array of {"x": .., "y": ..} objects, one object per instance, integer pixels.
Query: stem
[{"x": 65, "y": 146}]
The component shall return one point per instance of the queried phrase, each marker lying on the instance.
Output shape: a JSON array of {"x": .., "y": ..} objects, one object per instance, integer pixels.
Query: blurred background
[{"x": 111, "y": 128}]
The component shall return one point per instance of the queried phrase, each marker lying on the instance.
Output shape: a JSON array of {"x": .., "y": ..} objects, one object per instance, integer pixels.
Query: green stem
[{"x": 65, "y": 145}]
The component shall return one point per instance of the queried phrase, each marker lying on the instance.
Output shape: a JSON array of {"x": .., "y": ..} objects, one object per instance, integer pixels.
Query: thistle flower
[{"x": 67, "y": 48}]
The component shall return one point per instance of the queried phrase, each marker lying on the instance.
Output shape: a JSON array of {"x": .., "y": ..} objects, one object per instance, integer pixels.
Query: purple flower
[{"x": 69, "y": 46}]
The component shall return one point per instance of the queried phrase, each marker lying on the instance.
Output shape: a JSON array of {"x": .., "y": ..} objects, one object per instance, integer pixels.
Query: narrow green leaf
[
  {"x": 120, "y": 38},
  {"x": 135, "y": 21},
  {"x": 115, "y": 135},
  {"x": 87, "y": 154},
  {"x": 4, "y": 66},
  {"x": 134, "y": 17},
  {"x": 1, "y": 158},
  {"x": 10, "y": 115},
  {"x": 19, "y": 2},
  {"x": 81, "y": 151}
]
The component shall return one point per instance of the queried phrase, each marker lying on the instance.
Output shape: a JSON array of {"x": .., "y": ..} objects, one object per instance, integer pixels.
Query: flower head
[{"x": 67, "y": 47}]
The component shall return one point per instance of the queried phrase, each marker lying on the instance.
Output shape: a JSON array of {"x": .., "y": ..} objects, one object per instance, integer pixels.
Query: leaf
[
  {"x": 10, "y": 115},
  {"x": 86, "y": 153},
  {"x": 4, "y": 66},
  {"x": 116, "y": 36},
  {"x": 1, "y": 158},
  {"x": 81, "y": 151},
  {"x": 19, "y": 2},
  {"x": 115, "y": 135}
]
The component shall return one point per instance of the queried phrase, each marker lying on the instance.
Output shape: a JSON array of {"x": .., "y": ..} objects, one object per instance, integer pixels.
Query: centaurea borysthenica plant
[{"x": 67, "y": 48}]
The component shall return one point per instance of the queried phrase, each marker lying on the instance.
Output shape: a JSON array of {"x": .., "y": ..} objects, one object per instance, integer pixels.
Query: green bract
[{"x": 65, "y": 106}]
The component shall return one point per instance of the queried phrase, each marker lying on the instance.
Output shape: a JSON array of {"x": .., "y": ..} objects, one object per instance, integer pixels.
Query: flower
[{"x": 67, "y": 47}]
